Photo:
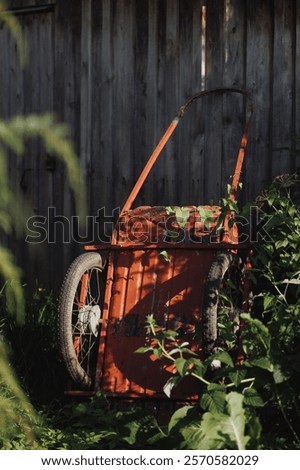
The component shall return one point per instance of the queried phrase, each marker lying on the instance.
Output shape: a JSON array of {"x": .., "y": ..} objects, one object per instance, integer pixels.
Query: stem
[
  {"x": 161, "y": 344},
  {"x": 272, "y": 280},
  {"x": 200, "y": 378},
  {"x": 284, "y": 414},
  {"x": 244, "y": 381}
]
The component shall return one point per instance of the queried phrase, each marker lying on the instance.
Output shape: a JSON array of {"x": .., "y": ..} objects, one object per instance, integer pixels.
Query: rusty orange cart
[{"x": 165, "y": 261}]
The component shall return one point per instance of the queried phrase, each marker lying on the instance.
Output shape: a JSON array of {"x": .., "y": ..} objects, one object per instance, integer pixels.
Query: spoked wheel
[
  {"x": 222, "y": 304},
  {"x": 79, "y": 317}
]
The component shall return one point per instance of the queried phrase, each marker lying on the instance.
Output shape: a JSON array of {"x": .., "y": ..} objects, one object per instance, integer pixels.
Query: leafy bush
[
  {"x": 250, "y": 406},
  {"x": 276, "y": 280},
  {"x": 255, "y": 404},
  {"x": 91, "y": 424}
]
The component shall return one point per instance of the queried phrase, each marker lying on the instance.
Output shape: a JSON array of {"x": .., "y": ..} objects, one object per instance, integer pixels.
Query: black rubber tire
[
  {"x": 222, "y": 265},
  {"x": 80, "y": 324}
]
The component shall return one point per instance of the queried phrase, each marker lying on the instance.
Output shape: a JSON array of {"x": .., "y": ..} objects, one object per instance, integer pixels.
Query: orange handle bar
[{"x": 160, "y": 146}]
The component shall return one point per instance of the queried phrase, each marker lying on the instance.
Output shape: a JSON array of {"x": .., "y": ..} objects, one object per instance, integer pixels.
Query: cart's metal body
[{"x": 157, "y": 264}]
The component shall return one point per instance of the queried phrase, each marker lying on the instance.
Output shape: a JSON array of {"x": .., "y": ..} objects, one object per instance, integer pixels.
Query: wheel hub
[{"x": 89, "y": 319}]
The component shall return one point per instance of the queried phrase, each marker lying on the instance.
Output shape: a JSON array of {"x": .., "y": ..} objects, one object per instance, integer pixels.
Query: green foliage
[
  {"x": 237, "y": 401},
  {"x": 33, "y": 345},
  {"x": 250, "y": 406},
  {"x": 222, "y": 422},
  {"x": 16, "y": 414},
  {"x": 207, "y": 216},
  {"x": 276, "y": 278},
  {"x": 225, "y": 429},
  {"x": 13, "y": 135},
  {"x": 182, "y": 214},
  {"x": 91, "y": 424}
]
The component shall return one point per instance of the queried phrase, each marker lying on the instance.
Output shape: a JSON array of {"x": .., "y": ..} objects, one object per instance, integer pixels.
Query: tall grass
[{"x": 17, "y": 415}]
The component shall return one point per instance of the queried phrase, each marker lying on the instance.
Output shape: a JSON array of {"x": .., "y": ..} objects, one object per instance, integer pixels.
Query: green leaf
[
  {"x": 170, "y": 384},
  {"x": 254, "y": 429},
  {"x": 11, "y": 139},
  {"x": 178, "y": 416},
  {"x": 234, "y": 424},
  {"x": 170, "y": 210},
  {"x": 180, "y": 364},
  {"x": 262, "y": 363},
  {"x": 237, "y": 376},
  {"x": 188, "y": 351},
  {"x": 199, "y": 367},
  {"x": 281, "y": 243},
  {"x": 219, "y": 430},
  {"x": 171, "y": 334},
  {"x": 143, "y": 349},
  {"x": 268, "y": 300},
  {"x": 252, "y": 398},
  {"x": 133, "y": 424},
  {"x": 182, "y": 215},
  {"x": 222, "y": 356},
  {"x": 165, "y": 256},
  {"x": 214, "y": 399},
  {"x": 173, "y": 351},
  {"x": 195, "y": 438},
  {"x": 157, "y": 353},
  {"x": 256, "y": 335},
  {"x": 206, "y": 215}
]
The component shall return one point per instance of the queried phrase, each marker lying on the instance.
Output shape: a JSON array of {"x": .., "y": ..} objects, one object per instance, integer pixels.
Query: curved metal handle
[
  {"x": 160, "y": 146},
  {"x": 222, "y": 90}
]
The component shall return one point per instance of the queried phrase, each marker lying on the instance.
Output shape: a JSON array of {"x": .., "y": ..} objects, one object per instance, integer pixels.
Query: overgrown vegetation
[
  {"x": 250, "y": 406},
  {"x": 16, "y": 414}
]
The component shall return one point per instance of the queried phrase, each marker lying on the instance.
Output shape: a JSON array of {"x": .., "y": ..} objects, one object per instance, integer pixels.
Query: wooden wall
[{"x": 117, "y": 71}]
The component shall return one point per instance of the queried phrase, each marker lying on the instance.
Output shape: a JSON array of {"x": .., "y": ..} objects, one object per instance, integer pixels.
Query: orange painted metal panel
[
  {"x": 145, "y": 283},
  {"x": 143, "y": 279}
]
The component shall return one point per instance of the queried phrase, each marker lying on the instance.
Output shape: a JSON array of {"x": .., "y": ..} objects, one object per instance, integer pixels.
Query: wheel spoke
[
  {"x": 85, "y": 342},
  {"x": 79, "y": 317}
]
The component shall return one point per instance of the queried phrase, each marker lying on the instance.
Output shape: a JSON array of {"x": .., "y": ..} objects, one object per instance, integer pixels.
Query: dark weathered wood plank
[
  {"x": 284, "y": 15},
  {"x": 123, "y": 99},
  {"x": 213, "y": 105},
  {"x": 183, "y": 140},
  {"x": 163, "y": 115},
  {"x": 296, "y": 149},
  {"x": 170, "y": 99},
  {"x": 86, "y": 94},
  {"x": 46, "y": 164},
  {"x": 152, "y": 96},
  {"x": 103, "y": 110},
  {"x": 139, "y": 121},
  {"x": 259, "y": 83},
  {"x": 67, "y": 106}
]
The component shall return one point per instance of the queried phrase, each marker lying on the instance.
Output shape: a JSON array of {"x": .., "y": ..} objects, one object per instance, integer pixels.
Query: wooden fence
[{"x": 117, "y": 71}]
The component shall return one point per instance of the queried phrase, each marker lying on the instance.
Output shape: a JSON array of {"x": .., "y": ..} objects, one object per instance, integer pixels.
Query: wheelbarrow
[{"x": 168, "y": 262}]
